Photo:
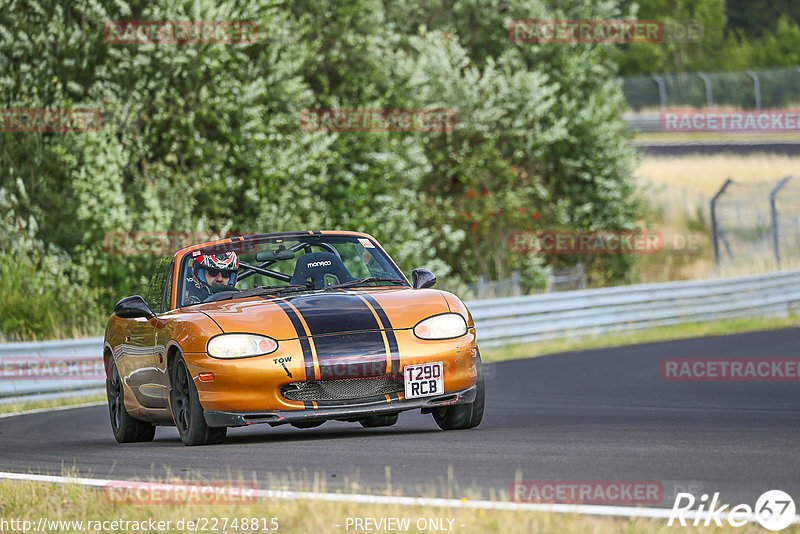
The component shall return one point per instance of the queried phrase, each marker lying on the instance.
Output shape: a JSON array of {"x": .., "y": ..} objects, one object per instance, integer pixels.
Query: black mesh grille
[{"x": 344, "y": 389}]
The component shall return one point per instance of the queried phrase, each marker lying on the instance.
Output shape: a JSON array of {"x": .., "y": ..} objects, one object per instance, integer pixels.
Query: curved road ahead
[{"x": 602, "y": 414}]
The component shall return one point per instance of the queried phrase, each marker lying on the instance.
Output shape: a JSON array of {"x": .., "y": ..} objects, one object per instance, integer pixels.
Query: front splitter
[{"x": 346, "y": 410}]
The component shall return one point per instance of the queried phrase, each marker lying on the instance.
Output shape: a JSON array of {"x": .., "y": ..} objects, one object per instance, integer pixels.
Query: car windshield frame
[{"x": 300, "y": 240}]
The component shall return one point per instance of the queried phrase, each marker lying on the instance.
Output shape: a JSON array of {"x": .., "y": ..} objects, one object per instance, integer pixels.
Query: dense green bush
[
  {"x": 45, "y": 293},
  {"x": 208, "y": 137}
]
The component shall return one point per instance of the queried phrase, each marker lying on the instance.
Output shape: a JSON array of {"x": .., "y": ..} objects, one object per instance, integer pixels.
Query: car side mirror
[
  {"x": 422, "y": 278},
  {"x": 133, "y": 307}
]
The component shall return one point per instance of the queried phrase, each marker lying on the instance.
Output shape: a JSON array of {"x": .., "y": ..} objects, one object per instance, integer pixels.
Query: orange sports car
[{"x": 294, "y": 327}]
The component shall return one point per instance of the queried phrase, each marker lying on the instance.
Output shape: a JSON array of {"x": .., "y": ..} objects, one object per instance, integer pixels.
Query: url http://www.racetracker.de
[{"x": 200, "y": 524}]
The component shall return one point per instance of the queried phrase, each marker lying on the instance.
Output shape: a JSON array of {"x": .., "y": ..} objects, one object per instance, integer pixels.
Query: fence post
[
  {"x": 756, "y": 85},
  {"x": 662, "y": 90},
  {"x": 581, "y": 276},
  {"x": 714, "y": 232},
  {"x": 481, "y": 287},
  {"x": 774, "y": 216},
  {"x": 707, "y": 81},
  {"x": 516, "y": 288}
]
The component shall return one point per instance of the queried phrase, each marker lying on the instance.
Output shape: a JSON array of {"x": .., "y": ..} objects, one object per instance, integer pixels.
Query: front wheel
[
  {"x": 126, "y": 428},
  {"x": 463, "y": 416},
  {"x": 187, "y": 411}
]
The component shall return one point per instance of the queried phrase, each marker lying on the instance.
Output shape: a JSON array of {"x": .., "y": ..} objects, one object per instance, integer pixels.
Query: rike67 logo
[{"x": 774, "y": 510}]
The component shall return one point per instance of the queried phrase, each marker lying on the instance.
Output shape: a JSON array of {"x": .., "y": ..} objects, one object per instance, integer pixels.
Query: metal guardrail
[
  {"x": 597, "y": 311},
  {"x": 51, "y": 369},
  {"x": 498, "y": 322},
  {"x": 643, "y": 123}
]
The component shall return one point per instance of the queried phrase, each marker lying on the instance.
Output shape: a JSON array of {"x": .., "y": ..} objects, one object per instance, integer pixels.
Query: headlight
[
  {"x": 241, "y": 346},
  {"x": 444, "y": 326}
]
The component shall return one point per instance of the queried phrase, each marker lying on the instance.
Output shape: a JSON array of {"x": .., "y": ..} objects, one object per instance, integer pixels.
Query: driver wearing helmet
[{"x": 211, "y": 273}]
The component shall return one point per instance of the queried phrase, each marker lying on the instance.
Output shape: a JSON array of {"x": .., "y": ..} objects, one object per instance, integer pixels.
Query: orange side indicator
[{"x": 206, "y": 377}]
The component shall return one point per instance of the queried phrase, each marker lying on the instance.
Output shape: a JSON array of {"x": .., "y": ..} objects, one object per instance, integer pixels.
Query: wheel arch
[
  {"x": 108, "y": 359},
  {"x": 173, "y": 354}
]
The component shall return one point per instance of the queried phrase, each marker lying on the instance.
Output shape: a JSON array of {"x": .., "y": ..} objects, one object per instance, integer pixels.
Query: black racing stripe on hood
[
  {"x": 335, "y": 313},
  {"x": 387, "y": 325},
  {"x": 308, "y": 357},
  {"x": 351, "y": 355}
]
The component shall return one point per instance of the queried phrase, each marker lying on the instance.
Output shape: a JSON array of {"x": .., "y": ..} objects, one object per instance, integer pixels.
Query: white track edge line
[
  {"x": 53, "y": 409},
  {"x": 580, "y": 509}
]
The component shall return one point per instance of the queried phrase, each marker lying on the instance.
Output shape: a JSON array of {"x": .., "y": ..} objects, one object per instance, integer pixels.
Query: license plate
[{"x": 423, "y": 380}]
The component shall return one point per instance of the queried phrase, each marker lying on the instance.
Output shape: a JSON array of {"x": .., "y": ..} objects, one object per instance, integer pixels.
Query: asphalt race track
[{"x": 602, "y": 414}]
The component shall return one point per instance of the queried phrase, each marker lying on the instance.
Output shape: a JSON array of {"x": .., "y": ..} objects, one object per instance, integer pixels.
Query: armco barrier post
[
  {"x": 706, "y": 80},
  {"x": 662, "y": 90},
  {"x": 756, "y": 86}
]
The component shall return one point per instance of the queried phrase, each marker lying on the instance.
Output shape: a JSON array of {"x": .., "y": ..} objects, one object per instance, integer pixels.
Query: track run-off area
[{"x": 593, "y": 415}]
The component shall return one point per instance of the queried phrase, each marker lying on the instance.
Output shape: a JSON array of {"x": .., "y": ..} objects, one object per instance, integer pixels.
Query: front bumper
[
  {"x": 346, "y": 410},
  {"x": 254, "y": 384}
]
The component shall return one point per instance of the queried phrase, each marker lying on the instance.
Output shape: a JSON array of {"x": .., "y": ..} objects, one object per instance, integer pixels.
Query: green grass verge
[
  {"x": 661, "y": 333},
  {"x": 49, "y": 403},
  {"x": 33, "y": 501}
]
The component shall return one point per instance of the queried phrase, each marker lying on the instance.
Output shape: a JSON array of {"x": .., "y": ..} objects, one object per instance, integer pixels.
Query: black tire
[
  {"x": 379, "y": 420},
  {"x": 463, "y": 416},
  {"x": 187, "y": 411},
  {"x": 126, "y": 428}
]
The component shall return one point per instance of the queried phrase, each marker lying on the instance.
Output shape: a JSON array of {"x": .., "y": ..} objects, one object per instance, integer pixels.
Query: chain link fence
[
  {"x": 675, "y": 203},
  {"x": 757, "y": 224},
  {"x": 751, "y": 89},
  {"x": 561, "y": 279}
]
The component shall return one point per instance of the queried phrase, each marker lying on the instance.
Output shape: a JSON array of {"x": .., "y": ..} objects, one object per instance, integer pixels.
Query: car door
[
  {"x": 161, "y": 334},
  {"x": 144, "y": 355}
]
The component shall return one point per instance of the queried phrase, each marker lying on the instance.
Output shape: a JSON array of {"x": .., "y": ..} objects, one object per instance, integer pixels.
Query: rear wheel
[
  {"x": 463, "y": 416},
  {"x": 379, "y": 420},
  {"x": 126, "y": 428},
  {"x": 187, "y": 411}
]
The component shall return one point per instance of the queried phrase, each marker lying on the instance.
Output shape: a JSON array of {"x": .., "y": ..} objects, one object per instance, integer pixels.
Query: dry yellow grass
[
  {"x": 679, "y": 189},
  {"x": 706, "y": 173}
]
